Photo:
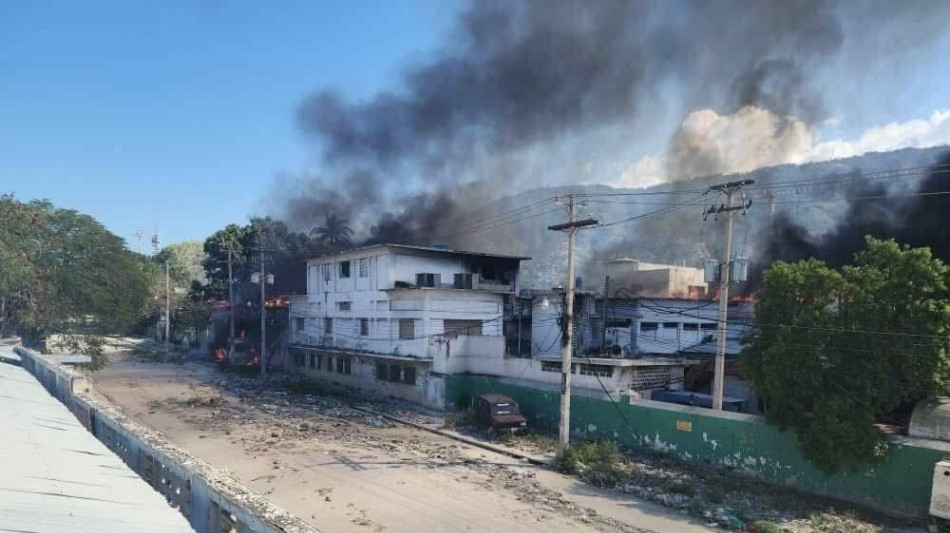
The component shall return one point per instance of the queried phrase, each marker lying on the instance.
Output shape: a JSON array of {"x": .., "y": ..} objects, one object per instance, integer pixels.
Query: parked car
[{"x": 499, "y": 413}]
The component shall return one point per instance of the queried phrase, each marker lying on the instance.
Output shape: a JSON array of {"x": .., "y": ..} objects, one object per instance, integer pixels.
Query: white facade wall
[{"x": 369, "y": 296}]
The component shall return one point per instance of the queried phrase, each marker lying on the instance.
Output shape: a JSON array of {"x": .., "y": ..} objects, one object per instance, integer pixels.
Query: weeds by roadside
[{"x": 719, "y": 497}]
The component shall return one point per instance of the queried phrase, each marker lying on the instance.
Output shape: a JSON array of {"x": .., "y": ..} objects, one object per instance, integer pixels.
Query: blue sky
[
  {"x": 140, "y": 112},
  {"x": 176, "y": 116}
]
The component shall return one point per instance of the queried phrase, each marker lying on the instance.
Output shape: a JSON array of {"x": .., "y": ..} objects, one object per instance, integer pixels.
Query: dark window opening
[{"x": 344, "y": 269}]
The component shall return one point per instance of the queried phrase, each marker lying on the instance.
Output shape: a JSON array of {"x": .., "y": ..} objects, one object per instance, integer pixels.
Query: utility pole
[
  {"x": 725, "y": 272},
  {"x": 263, "y": 316},
  {"x": 168, "y": 299},
  {"x": 571, "y": 226},
  {"x": 603, "y": 338},
  {"x": 230, "y": 301}
]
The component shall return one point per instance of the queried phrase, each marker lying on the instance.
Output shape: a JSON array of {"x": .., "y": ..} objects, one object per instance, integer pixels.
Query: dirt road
[{"x": 345, "y": 471}]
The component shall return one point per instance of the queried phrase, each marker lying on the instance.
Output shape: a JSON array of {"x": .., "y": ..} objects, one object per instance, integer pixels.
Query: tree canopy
[
  {"x": 833, "y": 352},
  {"x": 61, "y": 269}
]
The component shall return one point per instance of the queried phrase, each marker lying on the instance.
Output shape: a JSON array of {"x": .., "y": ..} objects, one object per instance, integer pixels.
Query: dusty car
[{"x": 499, "y": 413}]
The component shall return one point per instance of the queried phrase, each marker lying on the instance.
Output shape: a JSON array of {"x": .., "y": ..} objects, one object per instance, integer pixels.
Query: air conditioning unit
[
  {"x": 425, "y": 279},
  {"x": 464, "y": 281}
]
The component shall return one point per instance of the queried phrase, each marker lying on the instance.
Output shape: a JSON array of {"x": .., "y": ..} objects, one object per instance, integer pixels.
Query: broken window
[
  {"x": 407, "y": 328},
  {"x": 364, "y": 267},
  {"x": 344, "y": 269},
  {"x": 364, "y": 327}
]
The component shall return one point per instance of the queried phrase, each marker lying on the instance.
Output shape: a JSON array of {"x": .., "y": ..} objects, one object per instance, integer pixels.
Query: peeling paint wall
[{"x": 901, "y": 485}]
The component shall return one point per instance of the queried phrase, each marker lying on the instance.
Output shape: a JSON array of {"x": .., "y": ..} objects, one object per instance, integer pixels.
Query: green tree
[
  {"x": 63, "y": 271},
  {"x": 335, "y": 231},
  {"x": 834, "y": 352}
]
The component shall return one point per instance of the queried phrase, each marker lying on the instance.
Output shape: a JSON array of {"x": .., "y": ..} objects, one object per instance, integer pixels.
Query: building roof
[
  {"x": 55, "y": 477},
  {"x": 433, "y": 249}
]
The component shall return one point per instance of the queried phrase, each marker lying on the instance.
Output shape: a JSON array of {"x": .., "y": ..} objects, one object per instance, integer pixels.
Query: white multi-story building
[{"x": 395, "y": 318}]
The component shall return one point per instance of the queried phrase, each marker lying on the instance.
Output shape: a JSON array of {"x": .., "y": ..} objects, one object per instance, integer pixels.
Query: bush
[
  {"x": 598, "y": 462},
  {"x": 764, "y": 526}
]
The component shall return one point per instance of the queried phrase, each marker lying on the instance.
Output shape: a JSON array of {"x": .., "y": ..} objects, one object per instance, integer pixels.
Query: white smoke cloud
[{"x": 708, "y": 143}]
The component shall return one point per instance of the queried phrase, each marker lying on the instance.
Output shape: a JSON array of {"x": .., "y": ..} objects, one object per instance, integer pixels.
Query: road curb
[{"x": 472, "y": 442}]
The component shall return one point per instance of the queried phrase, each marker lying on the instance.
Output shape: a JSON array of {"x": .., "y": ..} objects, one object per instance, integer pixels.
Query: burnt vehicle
[{"x": 499, "y": 413}]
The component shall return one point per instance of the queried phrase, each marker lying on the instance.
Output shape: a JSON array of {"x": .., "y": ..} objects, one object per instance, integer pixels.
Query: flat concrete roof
[
  {"x": 55, "y": 477},
  {"x": 428, "y": 249}
]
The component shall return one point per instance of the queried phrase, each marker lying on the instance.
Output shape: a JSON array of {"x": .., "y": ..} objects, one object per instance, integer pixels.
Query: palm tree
[{"x": 335, "y": 231}]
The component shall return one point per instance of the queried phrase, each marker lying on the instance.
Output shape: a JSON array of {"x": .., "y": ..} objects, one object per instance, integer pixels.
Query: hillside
[{"x": 683, "y": 235}]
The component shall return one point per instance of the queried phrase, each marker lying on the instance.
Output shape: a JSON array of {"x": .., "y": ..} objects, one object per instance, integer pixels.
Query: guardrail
[{"x": 211, "y": 501}]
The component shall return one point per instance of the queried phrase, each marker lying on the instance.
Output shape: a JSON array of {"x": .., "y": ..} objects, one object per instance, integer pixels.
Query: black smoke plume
[
  {"x": 877, "y": 208},
  {"x": 523, "y": 85}
]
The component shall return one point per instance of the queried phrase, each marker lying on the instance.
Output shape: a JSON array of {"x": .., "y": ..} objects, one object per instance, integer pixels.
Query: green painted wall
[{"x": 901, "y": 485}]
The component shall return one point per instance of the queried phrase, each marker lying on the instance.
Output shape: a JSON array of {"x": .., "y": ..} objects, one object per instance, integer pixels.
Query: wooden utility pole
[
  {"x": 263, "y": 316},
  {"x": 564, "y": 432},
  {"x": 603, "y": 337},
  {"x": 230, "y": 302},
  {"x": 725, "y": 272},
  {"x": 168, "y": 300}
]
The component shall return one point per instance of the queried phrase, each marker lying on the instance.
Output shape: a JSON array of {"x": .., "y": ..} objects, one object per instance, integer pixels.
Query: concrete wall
[
  {"x": 428, "y": 389},
  {"x": 901, "y": 485},
  {"x": 211, "y": 501}
]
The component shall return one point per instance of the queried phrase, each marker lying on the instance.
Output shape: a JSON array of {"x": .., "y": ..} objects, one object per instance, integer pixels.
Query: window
[
  {"x": 618, "y": 323},
  {"x": 603, "y": 371},
  {"x": 344, "y": 269},
  {"x": 344, "y": 306},
  {"x": 409, "y": 375},
  {"x": 463, "y": 327},
  {"x": 364, "y": 267},
  {"x": 327, "y": 325},
  {"x": 648, "y": 326},
  {"x": 299, "y": 324},
  {"x": 396, "y": 373},
  {"x": 343, "y": 365},
  {"x": 313, "y": 360},
  {"x": 325, "y": 270},
  {"x": 319, "y": 361},
  {"x": 671, "y": 325},
  {"x": 555, "y": 366},
  {"x": 708, "y": 326},
  {"x": 329, "y": 363},
  {"x": 407, "y": 328},
  {"x": 299, "y": 358},
  {"x": 690, "y": 326},
  {"x": 364, "y": 327}
]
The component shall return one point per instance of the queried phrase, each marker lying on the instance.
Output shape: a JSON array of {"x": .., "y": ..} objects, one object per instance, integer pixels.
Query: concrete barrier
[{"x": 212, "y": 501}]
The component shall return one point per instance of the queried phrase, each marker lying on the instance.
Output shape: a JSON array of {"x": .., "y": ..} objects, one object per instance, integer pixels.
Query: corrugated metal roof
[{"x": 55, "y": 477}]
